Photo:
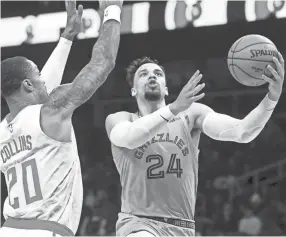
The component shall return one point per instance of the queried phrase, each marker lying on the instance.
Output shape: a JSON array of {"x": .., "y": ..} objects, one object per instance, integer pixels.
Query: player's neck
[
  {"x": 146, "y": 108},
  {"x": 15, "y": 105}
]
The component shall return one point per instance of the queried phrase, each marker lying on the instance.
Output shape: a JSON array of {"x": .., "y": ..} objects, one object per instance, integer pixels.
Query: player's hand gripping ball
[
  {"x": 249, "y": 57},
  {"x": 277, "y": 79}
]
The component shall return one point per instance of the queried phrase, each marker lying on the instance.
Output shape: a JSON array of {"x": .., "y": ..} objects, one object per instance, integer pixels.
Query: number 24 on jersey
[{"x": 174, "y": 166}]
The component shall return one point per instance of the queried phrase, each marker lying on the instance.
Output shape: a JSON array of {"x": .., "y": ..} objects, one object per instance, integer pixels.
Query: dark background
[{"x": 237, "y": 182}]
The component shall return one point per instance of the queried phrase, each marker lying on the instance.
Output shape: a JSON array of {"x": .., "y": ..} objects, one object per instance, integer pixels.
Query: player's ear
[
  {"x": 27, "y": 85},
  {"x": 133, "y": 91},
  {"x": 166, "y": 91}
]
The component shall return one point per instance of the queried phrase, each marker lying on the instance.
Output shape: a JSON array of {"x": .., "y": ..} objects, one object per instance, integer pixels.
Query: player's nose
[{"x": 152, "y": 77}]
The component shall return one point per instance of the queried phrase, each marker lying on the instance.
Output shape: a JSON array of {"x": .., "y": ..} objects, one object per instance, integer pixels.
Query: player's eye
[
  {"x": 143, "y": 74},
  {"x": 159, "y": 74}
]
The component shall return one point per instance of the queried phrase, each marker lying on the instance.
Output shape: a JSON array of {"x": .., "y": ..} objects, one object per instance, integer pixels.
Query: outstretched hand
[
  {"x": 74, "y": 19},
  {"x": 188, "y": 94}
]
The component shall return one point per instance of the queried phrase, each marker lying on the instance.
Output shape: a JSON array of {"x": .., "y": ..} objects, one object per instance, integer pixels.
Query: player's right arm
[
  {"x": 56, "y": 113},
  {"x": 123, "y": 132}
]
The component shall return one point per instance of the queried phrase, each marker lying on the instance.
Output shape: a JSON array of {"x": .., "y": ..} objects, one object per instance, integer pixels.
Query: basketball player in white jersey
[
  {"x": 156, "y": 149},
  {"x": 37, "y": 146}
]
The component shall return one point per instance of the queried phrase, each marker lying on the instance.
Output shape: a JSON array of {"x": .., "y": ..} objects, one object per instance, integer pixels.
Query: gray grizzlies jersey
[
  {"x": 160, "y": 178},
  {"x": 43, "y": 175}
]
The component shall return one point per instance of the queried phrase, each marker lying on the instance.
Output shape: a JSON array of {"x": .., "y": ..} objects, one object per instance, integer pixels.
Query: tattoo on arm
[{"x": 92, "y": 76}]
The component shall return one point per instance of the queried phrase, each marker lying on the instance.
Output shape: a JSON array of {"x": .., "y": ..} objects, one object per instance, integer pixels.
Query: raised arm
[
  {"x": 53, "y": 70},
  {"x": 66, "y": 98},
  {"x": 226, "y": 128}
]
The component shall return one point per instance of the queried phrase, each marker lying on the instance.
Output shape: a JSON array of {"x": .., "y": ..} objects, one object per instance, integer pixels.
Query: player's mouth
[{"x": 153, "y": 83}]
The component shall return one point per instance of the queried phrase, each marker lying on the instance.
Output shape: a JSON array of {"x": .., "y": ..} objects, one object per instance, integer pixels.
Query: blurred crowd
[{"x": 236, "y": 197}]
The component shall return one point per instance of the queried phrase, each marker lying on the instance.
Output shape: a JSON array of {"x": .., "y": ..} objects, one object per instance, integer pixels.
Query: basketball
[{"x": 248, "y": 58}]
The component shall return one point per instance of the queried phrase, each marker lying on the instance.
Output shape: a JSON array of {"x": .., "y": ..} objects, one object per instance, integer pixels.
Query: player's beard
[{"x": 153, "y": 95}]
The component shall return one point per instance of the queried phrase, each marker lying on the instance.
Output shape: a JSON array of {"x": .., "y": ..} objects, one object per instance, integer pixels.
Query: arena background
[{"x": 240, "y": 185}]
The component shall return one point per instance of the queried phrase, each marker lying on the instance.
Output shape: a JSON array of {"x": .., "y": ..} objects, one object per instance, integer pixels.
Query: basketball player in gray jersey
[
  {"x": 37, "y": 143},
  {"x": 156, "y": 149}
]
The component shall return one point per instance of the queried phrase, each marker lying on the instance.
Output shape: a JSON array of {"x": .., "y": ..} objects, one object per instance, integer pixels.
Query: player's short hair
[
  {"x": 134, "y": 65},
  {"x": 13, "y": 72}
]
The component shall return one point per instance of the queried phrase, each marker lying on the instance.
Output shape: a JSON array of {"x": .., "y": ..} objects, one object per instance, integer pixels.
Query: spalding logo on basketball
[{"x": 248, "y": 58}]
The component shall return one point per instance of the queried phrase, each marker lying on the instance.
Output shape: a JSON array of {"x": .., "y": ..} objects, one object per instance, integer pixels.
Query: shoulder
[
  {"x": 113, "y": 119},
  {"x": 121, "y": 115},
  {"x": 29, "y": 112},
  {"x": 60, "y": 102}
]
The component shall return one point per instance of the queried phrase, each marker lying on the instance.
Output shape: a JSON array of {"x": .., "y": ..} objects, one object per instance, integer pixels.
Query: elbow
[
  {"x": 245, "y": 140},
  {"x": 128, "y": 138},
  {"x": 134, "y": 140},
  {"x": 119, "y": 137},
  {"x": 130, "y": 145},
  {"x": 134, "y": 143},
  {"x": 125, "y": 142},
  {"x": 249, "y": 135}
]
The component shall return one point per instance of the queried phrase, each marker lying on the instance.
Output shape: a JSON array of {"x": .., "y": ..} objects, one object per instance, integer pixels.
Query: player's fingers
[
  {"x": 281, "y": 60},
  {"x": 278, "y": 66},
  {"x": 194, "y": 82},
  {"x": 274, "y": 73},
  {"x": 80, "y": 10},
  {"x": 268, "y": 79},
  {"x": 70, "y": 6},
  {"x": 196, "y": 90},
  {"x": 193, "y": 77},
  {"x": 198, "y": 97}
]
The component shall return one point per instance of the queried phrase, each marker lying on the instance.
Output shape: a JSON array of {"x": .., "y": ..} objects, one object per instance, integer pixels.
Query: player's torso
[
  {"x": 43, "y": 176},
  {"x": 160, "y": 177}
]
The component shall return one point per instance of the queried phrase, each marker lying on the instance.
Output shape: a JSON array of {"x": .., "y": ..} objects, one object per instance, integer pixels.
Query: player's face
[
  {"x": 40, "y": 88},
  {"x": 150, "y": 82}
]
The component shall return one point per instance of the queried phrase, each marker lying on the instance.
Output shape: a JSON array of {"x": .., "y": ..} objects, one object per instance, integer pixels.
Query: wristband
[
  {"x": 166, "y": 113},
  {"x": 112, "y": 12}
]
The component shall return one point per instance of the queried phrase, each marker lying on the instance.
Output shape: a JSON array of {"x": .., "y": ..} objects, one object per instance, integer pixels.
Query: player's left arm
[
  {"x": 53, "y": 70},
  {"x": 226, "y": 128}
]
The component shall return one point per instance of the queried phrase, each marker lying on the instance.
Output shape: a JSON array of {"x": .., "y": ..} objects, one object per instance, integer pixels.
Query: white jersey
[{"x": 43, "y": 175}]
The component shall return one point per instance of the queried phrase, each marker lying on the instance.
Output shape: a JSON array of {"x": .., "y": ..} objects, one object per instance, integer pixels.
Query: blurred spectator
[
  {"x": 92, "y": 223},
  {"x": 249, "y": 224},
  {"x": 255, "y": 202},
  {"x": 227, "y": 221}
]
